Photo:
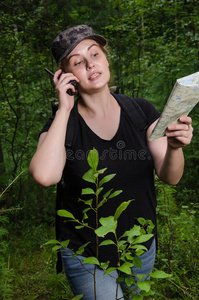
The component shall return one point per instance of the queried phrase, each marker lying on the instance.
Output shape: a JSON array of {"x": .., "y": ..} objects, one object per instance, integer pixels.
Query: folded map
[{"x": 183, "y": 98}]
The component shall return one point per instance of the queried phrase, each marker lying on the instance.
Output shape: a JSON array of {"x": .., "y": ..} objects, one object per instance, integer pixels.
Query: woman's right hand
[{"x": 62, "y": 85}]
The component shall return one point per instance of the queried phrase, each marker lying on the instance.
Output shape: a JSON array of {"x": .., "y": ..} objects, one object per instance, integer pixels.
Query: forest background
[{"x": 152, "y": 43}]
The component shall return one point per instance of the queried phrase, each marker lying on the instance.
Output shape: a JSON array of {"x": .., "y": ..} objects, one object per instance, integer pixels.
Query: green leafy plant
[
  {"x": 178, "y": 237},
  {"x": 129, "y": 245},
  {"x": 6, "y": 274}
]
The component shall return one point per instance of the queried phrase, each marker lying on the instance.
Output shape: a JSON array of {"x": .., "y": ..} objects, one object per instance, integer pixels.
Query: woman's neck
[{"x": 96, "y": 104}]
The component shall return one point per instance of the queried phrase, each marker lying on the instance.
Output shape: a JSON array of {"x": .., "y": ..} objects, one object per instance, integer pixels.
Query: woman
[{"x": 102, "y": 124}]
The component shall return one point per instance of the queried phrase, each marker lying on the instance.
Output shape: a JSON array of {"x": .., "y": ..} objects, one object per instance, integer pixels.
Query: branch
[{"x": 11, "y": 183}]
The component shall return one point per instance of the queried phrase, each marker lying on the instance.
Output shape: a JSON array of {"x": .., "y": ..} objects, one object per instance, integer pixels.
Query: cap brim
[{"x": 96, "y": 37}]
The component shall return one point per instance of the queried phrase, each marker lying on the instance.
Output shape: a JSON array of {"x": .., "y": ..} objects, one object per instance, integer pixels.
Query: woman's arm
[
  {"x": 48, "y": 163},
  {"x": 167, "y": 151}
]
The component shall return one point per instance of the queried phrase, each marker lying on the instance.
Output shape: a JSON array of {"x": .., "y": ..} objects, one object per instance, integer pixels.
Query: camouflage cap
[{"x": 67, "y": 40}]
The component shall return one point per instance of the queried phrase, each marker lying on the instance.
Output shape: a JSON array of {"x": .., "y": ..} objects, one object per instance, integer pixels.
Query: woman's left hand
[{"x": 180, "y": 134}]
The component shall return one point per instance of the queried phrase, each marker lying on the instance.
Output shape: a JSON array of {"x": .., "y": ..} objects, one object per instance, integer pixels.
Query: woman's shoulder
[{"x": 146, "y": 107}]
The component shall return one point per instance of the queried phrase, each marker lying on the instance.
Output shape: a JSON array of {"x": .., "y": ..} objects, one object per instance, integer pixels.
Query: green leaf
[
  {"x": 65, "y": 213},
  {"x": 150, "y": 227},
  {"x": 85, "y": 216},
  {"x": 102, "y": 231},
  {"x": 114, "y": 194},
  {"x": 93, "y": 159},
  {"x": 55, "y": 248},
  {"x": 91, "y": 260},
  {"x": 86, "y": 209},
  {"x": 139, "y": 252},
  {"x": 144, "y": 285},
  {"x": 99, "y": 191},
  {"x": 108, "y": 193},
  {"x": 106, "y": 179},
  {"x": 129, "y": 257},
  {"x": 141, "y": 276},
  {"x": 142, "y": 238},
  {"x": 139, "y": 247},
  {"x": 90, "y": 176},
  {"x": 160, "y": 274},
  {"x": 135, "y": 231},
  {"x": 125, "y": 268},
  {"x": 108, "y": 225},
  {"x": 121, "y": 208},
  {"x": 51, "y": 242},
  {"x": 105, "y": 198},
  {"x": 101, "y": 171},
  {"x": 108, "y": 221},
  {"x": 129, "y": 281},
  {"x": 79, "y": 227},
  {"x": 105, "y": 265},
  {"x": 78, "y": 297},
  {"x": 137, "y": 262},
  {"x": 65, "y": 243},
  {"x": 81, "y": 249},
  {"x": 121, "y": 243},
  {"x": 141, "y": 221},
  {"x": 87, "y": 202},
  {"x": 87, "y": 191},
  {"x": 149, "y": 293},
  {"x": 102, "y": 202},
  {"x": 109, "y": 270},
  {"x": 107, "y": 242}
]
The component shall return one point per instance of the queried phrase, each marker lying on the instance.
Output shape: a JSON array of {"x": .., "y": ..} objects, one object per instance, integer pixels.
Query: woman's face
[{"x": 89, "y": 64}]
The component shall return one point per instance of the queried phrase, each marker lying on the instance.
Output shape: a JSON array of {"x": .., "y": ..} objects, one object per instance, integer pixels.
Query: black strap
[
  {"x": 70, "y": 138},
  {"x": 71, "y": 131},
  {"x": 57, "y": 219},
  {"x": 133, "y": 111}
]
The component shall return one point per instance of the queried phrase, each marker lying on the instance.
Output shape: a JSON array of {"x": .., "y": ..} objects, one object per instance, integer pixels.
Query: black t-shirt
[{"x": 125, "y": 155}]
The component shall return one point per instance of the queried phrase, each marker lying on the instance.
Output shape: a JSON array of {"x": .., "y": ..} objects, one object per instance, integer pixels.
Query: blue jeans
[{"x": 81, "y": 280}]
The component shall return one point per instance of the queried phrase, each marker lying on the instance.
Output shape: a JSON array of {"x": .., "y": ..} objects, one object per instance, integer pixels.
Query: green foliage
[
  {"x": 34, "y": 268},
  {"x": 178, "y": 243},
  {"x": 6, "y": 275}
]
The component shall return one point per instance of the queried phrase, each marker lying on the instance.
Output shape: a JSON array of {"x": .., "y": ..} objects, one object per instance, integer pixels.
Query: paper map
[{"x": 183, "y": 98}]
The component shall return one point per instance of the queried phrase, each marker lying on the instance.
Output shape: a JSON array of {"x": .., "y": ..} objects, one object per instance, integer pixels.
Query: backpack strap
[
  {"x": 57, "y": 219},
  {"x": 133, "y": 111},
  {"x": 71, "y": 132}
]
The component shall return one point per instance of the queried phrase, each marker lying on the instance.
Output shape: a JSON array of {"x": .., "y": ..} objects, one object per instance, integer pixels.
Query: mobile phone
[{"x": 73, "y": 82}]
